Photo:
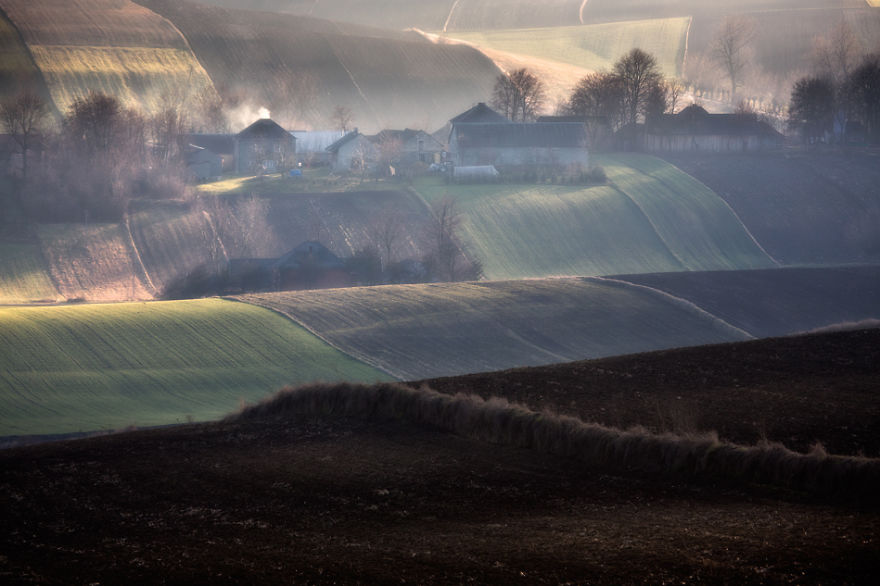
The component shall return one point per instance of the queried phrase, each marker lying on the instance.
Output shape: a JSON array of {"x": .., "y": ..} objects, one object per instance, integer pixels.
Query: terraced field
[
  {"x": 670, "y": 223},
  {"x": 24, "y": 276},
  {"x": 88, "y": 367},
  {"x": 93, "y": 262},
  {"x": 420, "y": 331},
  {"x": 114, "y": 46},
  {"x": 595, "y": 46}
]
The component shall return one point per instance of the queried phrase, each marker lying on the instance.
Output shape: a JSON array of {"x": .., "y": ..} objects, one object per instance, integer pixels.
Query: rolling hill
[
  {"x": 90, "y": 367},
  {"x": 302, "y": 67},
  {"x": 419, "y": 331},
  {"x": 671, "y": 223},
  {"x": 113, "y": 46},
  {"x": 23, "y": 274}
]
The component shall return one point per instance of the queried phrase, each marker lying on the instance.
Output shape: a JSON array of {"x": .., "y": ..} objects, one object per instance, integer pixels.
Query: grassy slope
[
  {"x": 778, "y": 302},
  {"x": 114, "y": 46},
  {"x": 17, "y": 68},
  {"x": 23, "y": 274},
  {"x": 592, "y": 46},
  {"x": 670, "y": 222},
  {"x": 418, "y": 331},
  {"x": 697, "y": 225},
  {"x": 92, "y": 261},
  {"x": 67, "y": 369},
  {"x": 538, "y": 231},
  {"x": 804, "y": 208},
  {"x": 387, "y": 78}
]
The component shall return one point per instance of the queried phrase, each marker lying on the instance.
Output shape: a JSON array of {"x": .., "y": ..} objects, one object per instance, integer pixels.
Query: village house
[
  {"x": 481, "y": 137},
  {"x": 353, "y": 152},
  {"x": 222, "y": 145},
  {"x": 357, "y": 152},
  {"x": 202, "y": 163},
  {"x": 263, "y": 147},
  {"x": 696, "y": 130}
]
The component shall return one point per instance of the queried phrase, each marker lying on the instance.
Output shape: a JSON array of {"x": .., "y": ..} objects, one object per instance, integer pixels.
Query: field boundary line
[
  {"x": 727, "y": 205},
  {"x": 581, "y": 11},
  {"x": 292, "y": 318},
  {"x": 449, "y": 16},
  {"x": 137, "y": 257},
  {"x": 685, "y": 303}
]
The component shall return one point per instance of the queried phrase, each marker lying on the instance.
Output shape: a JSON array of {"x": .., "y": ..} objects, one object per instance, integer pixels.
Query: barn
[{"x": 696, "y": 130}]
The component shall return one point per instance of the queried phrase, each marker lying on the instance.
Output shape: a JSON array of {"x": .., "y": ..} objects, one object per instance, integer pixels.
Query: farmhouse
[
  {"x": 695, "y": 130},
  {"x": 482, "y": 137},
  {"x": 353, "y": 152},
  {"x": 263, "y": 146}
]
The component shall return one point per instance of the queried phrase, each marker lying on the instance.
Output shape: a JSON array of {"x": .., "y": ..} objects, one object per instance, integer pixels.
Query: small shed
[{"x": 202, "y": 163}]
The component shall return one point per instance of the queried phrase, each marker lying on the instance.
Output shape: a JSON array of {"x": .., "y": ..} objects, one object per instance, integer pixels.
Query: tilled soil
[{"x": 353, "y": 501}]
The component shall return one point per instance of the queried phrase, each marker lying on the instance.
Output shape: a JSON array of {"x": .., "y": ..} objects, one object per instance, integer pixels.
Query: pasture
[
  {"x": 24, "y": 276},
  {"x": 420, "y": 331},
  {"x": 594, "y": 47},
  {"x": 66, "y": 369}
]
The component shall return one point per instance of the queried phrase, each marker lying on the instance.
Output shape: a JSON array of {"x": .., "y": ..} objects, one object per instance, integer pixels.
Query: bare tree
[
  {"x": 729, "y": 49},
  {"x": 342, "y": 118},
  {"x": 598, "y": 99},
  {"x": 639, "y": 76},
  {"x": 385, "y": 231},
  {"x": 835, "y": 56},
  {"x": 519, "y": 95},
  {"x": 24, "y": 118},
  {"x": 447, "y": 260},
  {"x": 674, "y": 94}
]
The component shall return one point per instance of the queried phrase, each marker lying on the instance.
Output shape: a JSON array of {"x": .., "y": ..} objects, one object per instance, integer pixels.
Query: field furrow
[{"x": 419, "y": 331}]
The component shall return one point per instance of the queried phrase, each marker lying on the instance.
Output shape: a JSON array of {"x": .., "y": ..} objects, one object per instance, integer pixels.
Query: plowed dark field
[{"x": 359, "y": 501}]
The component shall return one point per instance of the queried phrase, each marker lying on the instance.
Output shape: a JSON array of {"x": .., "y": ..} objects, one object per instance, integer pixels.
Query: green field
[
  {"x": 89, "y": 367},
  {"x": 422, "y": 331},
  {"x": 24, "y": 276},
  {"x": 595, "y": 46},
  {"x": 656, "y": 219},
  {"x": 697, "y": 226}
]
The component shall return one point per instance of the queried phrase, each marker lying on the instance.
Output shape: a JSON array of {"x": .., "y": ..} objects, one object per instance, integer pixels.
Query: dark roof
[
  {"x": 696, "y": 120},
  {"x": 550, "y": 134},
  {"x": 568, "y": 119},
  {"x": 265, "y": 128},
  {"x": 480, "y": 114},
  {"x": 403, "y": 136},
  {"x": 310, "y": 253},
  {"x": 222, "y": 144}
]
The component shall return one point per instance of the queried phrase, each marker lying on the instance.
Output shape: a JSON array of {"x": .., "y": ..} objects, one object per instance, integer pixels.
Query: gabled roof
[
  {"x": 265, "y": 128},
  {"x": 335, "y": 146},
  {"x": 546, "y": 135},
  {"x": 222, "y": 144},
  {"x": 309, "y": 253},
  {"x": 696, "y": 120},
  {"x": 480, "y": 114}
]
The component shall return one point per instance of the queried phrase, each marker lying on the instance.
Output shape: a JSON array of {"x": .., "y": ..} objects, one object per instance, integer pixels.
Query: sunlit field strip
[
  {"x": 79, "y": 368},
  {"x": 24, "y": 276}
]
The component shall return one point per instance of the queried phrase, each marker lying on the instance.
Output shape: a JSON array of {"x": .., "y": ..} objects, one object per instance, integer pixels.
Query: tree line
[{"x": 91, "y": 165}]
